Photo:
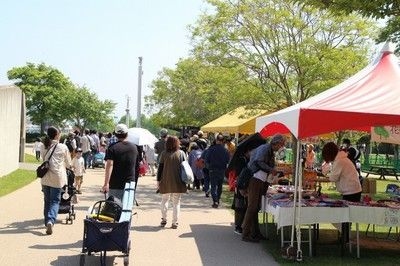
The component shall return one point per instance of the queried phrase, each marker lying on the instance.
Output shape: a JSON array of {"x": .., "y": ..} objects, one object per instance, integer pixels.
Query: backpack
[{"x": 68, "y": 142}]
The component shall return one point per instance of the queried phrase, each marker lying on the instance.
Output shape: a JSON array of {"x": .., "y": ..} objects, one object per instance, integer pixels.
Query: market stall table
[
  {"x": 283, "y": 212},
  {"x": 383, "y": 216}
]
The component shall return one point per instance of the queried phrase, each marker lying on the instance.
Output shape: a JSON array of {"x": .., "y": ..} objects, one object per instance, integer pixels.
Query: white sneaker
[
  {"x": 49, "y": 228},
  {"x": 237, "y": 231}
]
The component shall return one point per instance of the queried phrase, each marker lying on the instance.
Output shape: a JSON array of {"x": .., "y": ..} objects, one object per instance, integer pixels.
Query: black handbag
[{"x": 45, "y": 166}]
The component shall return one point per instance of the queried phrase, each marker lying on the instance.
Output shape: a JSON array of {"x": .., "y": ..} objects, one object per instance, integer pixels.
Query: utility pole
[
  {"x": 139, "y": 98},
  {"x": 127, "y": 111}
]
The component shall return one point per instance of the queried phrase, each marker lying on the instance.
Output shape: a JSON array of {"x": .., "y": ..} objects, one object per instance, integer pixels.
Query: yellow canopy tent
[{"x": 240, "y": 120}]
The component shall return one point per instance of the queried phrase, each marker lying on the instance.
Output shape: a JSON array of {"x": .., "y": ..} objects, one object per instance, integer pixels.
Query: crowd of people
[{"x": 209, "y": 160}]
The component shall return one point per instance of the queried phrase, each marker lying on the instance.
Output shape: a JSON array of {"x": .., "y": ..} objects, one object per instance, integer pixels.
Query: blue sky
[{"x": 97, "y": 43}]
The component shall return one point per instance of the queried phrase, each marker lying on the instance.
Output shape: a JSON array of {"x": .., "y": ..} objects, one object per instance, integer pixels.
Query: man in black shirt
[{"x": 120, "y": 163}]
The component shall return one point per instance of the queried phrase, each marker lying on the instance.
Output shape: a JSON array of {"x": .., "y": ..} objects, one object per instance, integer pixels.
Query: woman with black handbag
[{"x": 56, "y": 177}]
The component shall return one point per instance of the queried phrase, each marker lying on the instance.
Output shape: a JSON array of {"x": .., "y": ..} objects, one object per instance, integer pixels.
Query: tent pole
[
  {"x": 297, "y": 201},
  {"x": 299, "y": 256},
  {"x": 295, "y": 189}
]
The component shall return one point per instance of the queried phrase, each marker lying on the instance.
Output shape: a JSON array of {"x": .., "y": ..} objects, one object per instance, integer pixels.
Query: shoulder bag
[
  {"x": 45, "y": 166},
  {"x": 186, "y": 172}
]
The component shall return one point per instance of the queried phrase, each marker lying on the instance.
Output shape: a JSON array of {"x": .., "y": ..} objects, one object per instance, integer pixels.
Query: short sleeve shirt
[{"x": 123, "y": 154}]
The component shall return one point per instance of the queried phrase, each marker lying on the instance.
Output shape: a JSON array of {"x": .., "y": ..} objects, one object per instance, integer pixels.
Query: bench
[{"x": 382, "y": 171}]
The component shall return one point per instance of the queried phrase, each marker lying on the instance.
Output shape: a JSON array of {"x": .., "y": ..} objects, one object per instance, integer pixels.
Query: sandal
[{"x": 163, "y": 222}]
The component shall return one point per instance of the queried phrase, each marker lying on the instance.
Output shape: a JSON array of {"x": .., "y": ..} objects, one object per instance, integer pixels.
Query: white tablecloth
[
  {"x": 375, "y": 215},
  {"x": 283, "y": 216}
]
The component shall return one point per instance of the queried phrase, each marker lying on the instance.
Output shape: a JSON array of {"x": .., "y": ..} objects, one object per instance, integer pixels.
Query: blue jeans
[
  {"x": 86, "y": 159},
  {"x": 216, "y": 180},
  {"x": 52, "y": 198},
  {"x": 206, "y": 185}
]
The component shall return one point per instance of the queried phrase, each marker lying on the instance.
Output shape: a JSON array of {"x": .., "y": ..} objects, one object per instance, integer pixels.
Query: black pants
[
  {"x": 37, "y": 153},
  {"x": 356, "y": 197},
  {"x": 197, "y": 182},
  {"x": 239, "y": 204}
]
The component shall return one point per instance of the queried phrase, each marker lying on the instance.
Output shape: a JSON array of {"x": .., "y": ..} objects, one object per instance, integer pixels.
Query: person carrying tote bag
[{"x": 169, "y": 180}]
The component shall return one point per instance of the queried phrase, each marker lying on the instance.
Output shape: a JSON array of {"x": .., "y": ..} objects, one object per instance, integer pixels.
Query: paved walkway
[{"x": 204, "y": 237}]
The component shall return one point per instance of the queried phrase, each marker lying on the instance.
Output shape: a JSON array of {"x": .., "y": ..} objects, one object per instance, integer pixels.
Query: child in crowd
[
  {"x": 37, "y": 146},
  {"x": 78, "y": 166}
]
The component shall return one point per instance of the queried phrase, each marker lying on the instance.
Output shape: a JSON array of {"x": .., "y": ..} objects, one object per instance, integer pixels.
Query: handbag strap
[
  {"x": 48, "y": 159},
  {"x": 182, "y": 156}
]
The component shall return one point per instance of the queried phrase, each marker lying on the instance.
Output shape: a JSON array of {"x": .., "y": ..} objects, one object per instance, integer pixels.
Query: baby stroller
[
  {"x": 98, "y": 160},
  {"x": 107, "y": 226},
  {"x": 68, "y": 195}
]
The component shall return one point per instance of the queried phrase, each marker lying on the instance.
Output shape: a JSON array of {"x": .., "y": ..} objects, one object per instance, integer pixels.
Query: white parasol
[{"x": 141, "y": 136}]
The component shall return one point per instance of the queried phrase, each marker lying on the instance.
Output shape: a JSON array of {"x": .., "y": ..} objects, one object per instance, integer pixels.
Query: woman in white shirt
[
  {"x": 342, "y": 172},
  {"x": 53, "y": 181},
  {"x": 345, "y": 175}
]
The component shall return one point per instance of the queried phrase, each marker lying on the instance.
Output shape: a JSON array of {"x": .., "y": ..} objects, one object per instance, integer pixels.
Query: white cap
[{"x": 121, "y": 129}]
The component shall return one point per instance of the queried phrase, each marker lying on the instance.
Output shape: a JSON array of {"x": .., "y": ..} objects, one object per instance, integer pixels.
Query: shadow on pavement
[
  {"x": 218, "y": 241},
  {"x": 29, "y": 226}
]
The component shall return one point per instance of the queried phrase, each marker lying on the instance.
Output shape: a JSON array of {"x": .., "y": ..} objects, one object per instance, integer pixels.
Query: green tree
[
  {"x": 43, "y": 87},
  {"x": 87, "y": 111},
  {"x": 291, "y": 51},
  {"x": 379, "y": 9},
  {"x": 51, "y": 98},
  {"x": 376, "y": 8},
  {"x": 197, "y": 92}
]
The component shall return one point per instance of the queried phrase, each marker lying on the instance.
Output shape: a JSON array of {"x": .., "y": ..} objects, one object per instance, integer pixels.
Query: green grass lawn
[
  {"x": 374, "y": 249},
  {"x": 18, "y": 178},
  {"x": 30, "y": 158}
]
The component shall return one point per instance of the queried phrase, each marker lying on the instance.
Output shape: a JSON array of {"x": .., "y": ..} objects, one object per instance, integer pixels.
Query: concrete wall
[{"x": 10, "y": 127}]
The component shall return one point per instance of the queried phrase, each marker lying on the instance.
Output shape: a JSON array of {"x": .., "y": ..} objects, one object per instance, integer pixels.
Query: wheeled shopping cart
[{"x": 103, "y": 233}]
